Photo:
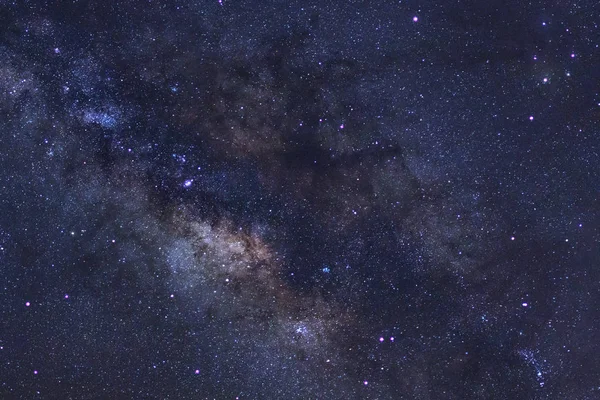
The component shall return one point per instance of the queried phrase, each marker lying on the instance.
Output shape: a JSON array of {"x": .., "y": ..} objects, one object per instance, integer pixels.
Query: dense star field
[{"x": 288, "y": 199}]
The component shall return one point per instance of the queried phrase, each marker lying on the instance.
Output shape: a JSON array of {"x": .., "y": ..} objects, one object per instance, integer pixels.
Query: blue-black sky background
[{"x": 299, "y": 199}]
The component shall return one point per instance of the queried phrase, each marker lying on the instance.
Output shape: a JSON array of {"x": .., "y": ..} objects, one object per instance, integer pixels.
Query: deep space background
[{"x": 287, "y": 199}]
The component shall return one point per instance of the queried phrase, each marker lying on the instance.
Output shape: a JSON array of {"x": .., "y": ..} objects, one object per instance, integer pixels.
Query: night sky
[{"x": 245, "y": 199}]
